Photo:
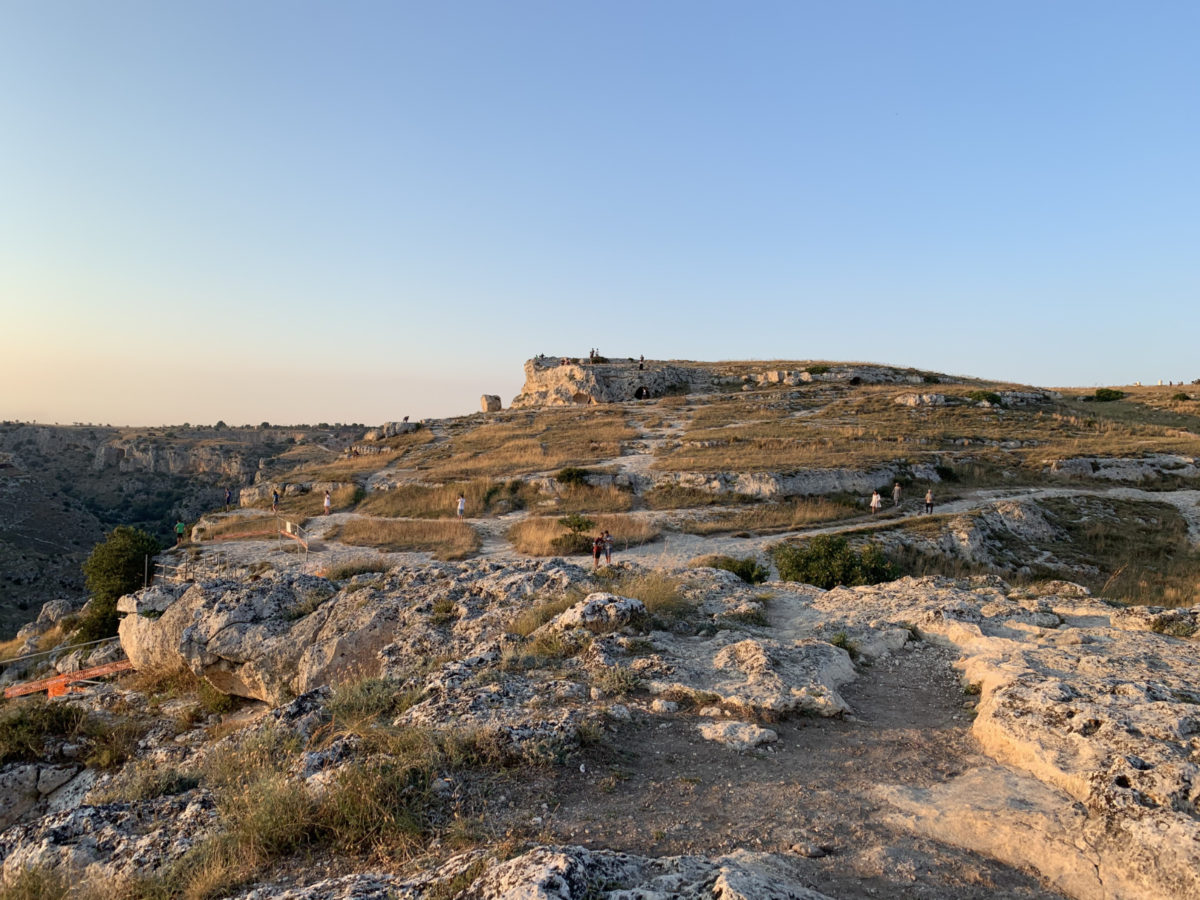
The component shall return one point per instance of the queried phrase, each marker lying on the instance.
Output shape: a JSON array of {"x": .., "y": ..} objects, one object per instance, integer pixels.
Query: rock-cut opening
[{"x": 641, "y": 393}]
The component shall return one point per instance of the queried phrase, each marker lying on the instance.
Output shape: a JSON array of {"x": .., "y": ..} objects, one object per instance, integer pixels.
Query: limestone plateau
[{"x": 413, "y": 706}]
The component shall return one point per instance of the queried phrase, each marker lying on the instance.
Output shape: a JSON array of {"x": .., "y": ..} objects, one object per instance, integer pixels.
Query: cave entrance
[{"x": 641, "y": 393}]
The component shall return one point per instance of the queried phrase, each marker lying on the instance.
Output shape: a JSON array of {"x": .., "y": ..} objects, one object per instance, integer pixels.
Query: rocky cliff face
[
  {"x": 568, "y": 382},
  {"x": 550, "y": 382}
]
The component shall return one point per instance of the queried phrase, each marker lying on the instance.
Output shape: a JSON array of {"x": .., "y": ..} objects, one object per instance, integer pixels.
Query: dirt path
[
  {"x": 677, "y": 547},
  {"x": 655, "y": 787}
]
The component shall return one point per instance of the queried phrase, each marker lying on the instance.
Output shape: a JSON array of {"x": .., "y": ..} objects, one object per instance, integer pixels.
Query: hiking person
[
  {"x": 876, "y": 502},
  {"x": 180, "y": 528},
  {"x": 228, "y": 498},
  {"x": 461, "y": 505},
  {"x": 275, "y": 500},
  {"x": 328, "y": 503},
  {"x": 597, "y": 549},
  {"x": 608, "y": 542},
  {"x": 896, "y": 494},
  {"x": 929, "y": 502}
]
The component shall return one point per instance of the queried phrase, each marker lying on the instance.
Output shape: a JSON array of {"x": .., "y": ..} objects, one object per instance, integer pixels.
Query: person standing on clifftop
[
  {"x": 462, "y": 505},
  {"x": 328, "y": 503},
  {"x": 180, "y": 529},
  {"x": 929, "y": 502},
  {"x": 896, "y": 494},
  {"x": 275, "y": 500}
]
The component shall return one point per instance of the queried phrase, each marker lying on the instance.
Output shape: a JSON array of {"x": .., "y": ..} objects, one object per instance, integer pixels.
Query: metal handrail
[{"x": 66, "y": 649}]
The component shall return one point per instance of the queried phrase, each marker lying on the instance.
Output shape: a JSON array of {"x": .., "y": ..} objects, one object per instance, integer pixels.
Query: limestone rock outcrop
[
  {"x": 550, "y": 382},
  {"x": 1151, "y": 467}
]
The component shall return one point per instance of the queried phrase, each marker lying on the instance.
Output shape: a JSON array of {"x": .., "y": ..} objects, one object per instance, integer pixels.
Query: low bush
[
  {"x": 572, "y": 475},
  {"x": 26, "y": 725},
  {"x": 359, "y": 565},
  {"x": 1107, "y": 395},
  {"x": 749, "y": 569},
  {"x": 827, "y": 561}
]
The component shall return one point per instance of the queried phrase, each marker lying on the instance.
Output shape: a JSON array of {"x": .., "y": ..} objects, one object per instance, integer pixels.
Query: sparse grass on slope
[
  {"x": 530, "y": 441},
  {"x": 445, "y": 540},
  {"x": 864, "y": 427},
  {"x": 770, "y": 517},
  {"x": 483, "y": 496}
]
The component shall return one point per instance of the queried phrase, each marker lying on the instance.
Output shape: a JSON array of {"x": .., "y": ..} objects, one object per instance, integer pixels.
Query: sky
[{"x": 303, "y": 212}]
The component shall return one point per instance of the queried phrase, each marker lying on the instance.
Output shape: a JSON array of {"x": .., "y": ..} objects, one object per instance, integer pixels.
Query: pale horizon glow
[{"x": 296, "y": 212}]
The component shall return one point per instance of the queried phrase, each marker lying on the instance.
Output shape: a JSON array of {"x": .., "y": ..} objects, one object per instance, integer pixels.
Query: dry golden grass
[
  {"x": 584, "y": 499},
  {"x": 484, "y": 496},
  {"x": 233, "y": 526},
  {"x": 531, "y": 441},
  {"x": 660, "y": 593},
  {"x": 11, "y": 648},
  {"x": 534, "y": 617},
  {"x": 770, "y": 517},
  {"x": 535, "y": 536},
  {"x": 864, "y": 427},
  {"x": 445, "y": 540},
  {"x": 675, "y": 497}
]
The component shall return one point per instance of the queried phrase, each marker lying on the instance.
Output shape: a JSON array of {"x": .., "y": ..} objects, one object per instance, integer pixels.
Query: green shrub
[
  {"x": 618, "y": 680},
  {"x": 116, "y": 566},
  {"x": 1105, "y": 395},
  {"x": 572, "y": 475},
  {"x": 26, "y": 725},
  {"x": 828, "y": 561},
  {"x": 747, "y": 568},
  {"x": 817, "y": 370},
  {"x": 1181, "y": 396},
  {"x": 359, "y": 565}
]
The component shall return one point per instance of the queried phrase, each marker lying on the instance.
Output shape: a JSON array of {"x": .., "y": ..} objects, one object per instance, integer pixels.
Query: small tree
[
  {"x": 574, "y": 541},
  {"x": 116, "y": 567}
]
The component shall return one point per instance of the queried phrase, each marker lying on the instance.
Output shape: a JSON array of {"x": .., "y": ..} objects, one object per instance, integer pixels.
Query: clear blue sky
[{"x": 294, "y": 211}]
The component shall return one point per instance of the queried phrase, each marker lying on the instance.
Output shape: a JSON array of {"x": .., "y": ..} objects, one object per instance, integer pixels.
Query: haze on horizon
[{"x": 295, "y": 212}]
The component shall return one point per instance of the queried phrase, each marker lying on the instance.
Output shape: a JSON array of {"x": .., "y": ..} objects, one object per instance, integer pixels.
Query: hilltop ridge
[{"x": 567, "y": 381}]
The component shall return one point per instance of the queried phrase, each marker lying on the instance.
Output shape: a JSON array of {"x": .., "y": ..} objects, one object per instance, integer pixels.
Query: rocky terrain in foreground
[{"x": 1032, "y": 742}]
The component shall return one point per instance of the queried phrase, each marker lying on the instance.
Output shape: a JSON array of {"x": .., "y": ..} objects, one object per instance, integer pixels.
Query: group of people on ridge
[{"x": 877, "y": 501}]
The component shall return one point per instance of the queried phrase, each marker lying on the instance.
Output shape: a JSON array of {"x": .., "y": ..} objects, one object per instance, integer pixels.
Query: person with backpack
[{"x": 597, "y": 549}]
